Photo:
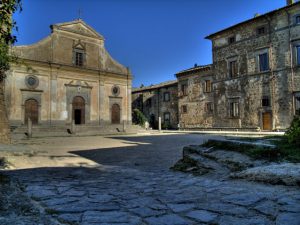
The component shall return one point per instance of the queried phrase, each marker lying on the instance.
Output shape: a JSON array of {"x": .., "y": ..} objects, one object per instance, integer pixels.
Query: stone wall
[
  {"x": 196, "y": 99},
  {"x": 151, "y": 101},
  {"x": 250, "y": 85},
  {"x": 51, "y": 62}
]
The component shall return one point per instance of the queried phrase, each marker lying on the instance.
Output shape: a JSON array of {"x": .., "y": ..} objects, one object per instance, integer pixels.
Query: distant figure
[
  {"x": 146, "y": 125},
  {"x": 178, "y": 126}
]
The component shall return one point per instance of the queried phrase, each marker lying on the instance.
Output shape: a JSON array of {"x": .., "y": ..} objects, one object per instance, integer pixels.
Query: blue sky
[{"x": 155, "y": 38}]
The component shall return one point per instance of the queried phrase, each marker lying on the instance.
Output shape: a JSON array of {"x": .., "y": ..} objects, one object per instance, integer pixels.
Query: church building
[{"x": 68, "y": 76}]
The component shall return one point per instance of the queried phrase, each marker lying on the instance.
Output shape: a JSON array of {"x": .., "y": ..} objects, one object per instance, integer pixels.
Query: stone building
[
  {"x": 158, "y": 101},
  {"x": 68, "y": 76},
  {"x": 195, "y": 97},
  {"x": 255, "y": 76},
  {"x": 256, "y": 71}
]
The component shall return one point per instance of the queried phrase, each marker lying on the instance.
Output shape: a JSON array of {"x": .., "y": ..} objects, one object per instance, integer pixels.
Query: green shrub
[
  {"x": 293, "y": 133},
  {"x": 138, "y": 117}
]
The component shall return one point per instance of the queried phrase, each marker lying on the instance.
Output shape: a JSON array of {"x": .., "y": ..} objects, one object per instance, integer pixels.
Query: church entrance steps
[{"x": 79, "y": 130}]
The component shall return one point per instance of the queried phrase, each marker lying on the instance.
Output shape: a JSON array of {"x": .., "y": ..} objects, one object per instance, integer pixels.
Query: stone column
[
  {"x": 159, "y": 123},
  {"x": 129, "y": 105},
  {"x": 29, "y": 128},
  {"x": 101, "y": 100},
  {"x": 53, "y": 95}
]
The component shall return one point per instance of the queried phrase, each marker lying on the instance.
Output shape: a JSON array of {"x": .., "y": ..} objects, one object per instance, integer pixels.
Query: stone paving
[{"x": 122, "y": 194}]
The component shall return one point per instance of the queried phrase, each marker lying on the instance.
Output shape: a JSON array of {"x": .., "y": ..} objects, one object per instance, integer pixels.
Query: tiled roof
[{"x": 194, "y": 69}]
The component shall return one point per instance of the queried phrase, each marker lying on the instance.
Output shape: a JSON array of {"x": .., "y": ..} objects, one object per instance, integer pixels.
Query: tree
[{"x": 7, "y": 24}]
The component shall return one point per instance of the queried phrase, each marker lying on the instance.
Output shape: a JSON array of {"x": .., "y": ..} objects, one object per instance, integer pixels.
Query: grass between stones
[{"x": 283, "y": 150}]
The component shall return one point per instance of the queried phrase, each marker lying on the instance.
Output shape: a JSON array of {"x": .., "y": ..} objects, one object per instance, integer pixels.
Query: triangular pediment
[{"x": 78, "y": 27}]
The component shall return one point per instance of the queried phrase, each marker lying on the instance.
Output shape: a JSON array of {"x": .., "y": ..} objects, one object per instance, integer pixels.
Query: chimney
[{"x": 290, "y": 2}]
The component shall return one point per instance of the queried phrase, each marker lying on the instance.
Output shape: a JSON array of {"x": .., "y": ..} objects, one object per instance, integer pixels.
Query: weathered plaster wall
[{"x": 52, "y": 62}]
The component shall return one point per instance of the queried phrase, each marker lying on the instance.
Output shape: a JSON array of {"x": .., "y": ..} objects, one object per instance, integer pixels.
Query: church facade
[{"x": 68, "y": 76}]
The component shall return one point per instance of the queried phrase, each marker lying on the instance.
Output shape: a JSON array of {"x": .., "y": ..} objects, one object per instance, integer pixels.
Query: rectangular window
[
  {"x": 166, "y": 96},
  {"x": 166, "y": 117},
  {"x": 233, "y": 69},
  {"x": 78, "y": 58},
  {"x": 209, "y": 107},
  {"x": 297, "y": 103},
  {"x": 184, "y": 89},
  {"x": 231, "y": 40},
  {"x": 298, "y": 19},
  {"x": 208, "y": 85},
  {"x": 298, "y": 55},
  {"x": 261, "y": 30},
  {"x": 184, "y": 109},
  {"x": 265, "y": 101},
  {"x": 263, "y": 62},
  {"x": 234, "y": 109}
]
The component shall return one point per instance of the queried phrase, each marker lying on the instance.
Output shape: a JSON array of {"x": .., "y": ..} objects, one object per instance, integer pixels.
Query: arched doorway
[
  {"x": 78, "y": 112},
  {"x": 115, "y": 114},
  {"x": 31, "y": 111}
]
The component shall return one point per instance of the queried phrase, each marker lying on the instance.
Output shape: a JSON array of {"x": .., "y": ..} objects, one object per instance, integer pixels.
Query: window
[
  {"x": 297, "y": 103},
  {"x": 298, "y": 19},
  {"x": 261, "y": 30},
  {"x": 184, "y": 89},
  {"x": 209, "y": 107},
  {"x": 166, "y": 117},
  {"x": 231, "y": 40},
  {"x": 234, "y": 109},
  {"x": 298, "y": 54},
  {"x": 263, "y": 62},
  {"x": 184, "y": 109},
  {"x": 233, "y": 69},
  {"x": 265, "y": 101},
  {"x": 166, "y": 96},
  {"x": 208, "y": 85}
]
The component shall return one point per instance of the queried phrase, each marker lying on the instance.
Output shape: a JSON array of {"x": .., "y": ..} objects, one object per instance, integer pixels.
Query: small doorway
[
  {"x": 78, "y": 112},
  {"x": 115, "y": 114},
  {"x": 31, "y": 111},
  {"x": 152, "y": 121},
  {"x": 267, "y": 121}
]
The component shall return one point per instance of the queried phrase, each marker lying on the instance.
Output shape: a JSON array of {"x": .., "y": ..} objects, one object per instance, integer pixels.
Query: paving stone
[
  {"x": 223, "y": 208},
  {"x": 229, "y": 220},
  {"x": 70, "y": 217},
  {"x": 100, "y": 197},
  {"x": 289, "y": 204},
  {"x": 105, "y": 217},
  {"x": 245, "y": 199},
  {"x": 59, "y": 201},
  {"x": 288, "y": 219},
  {"x": 202, "y": 216},
  {"x": 73, "y": 193},
  {"x": 170, "y": 219},
  {"x": 181, "y": 207},
  {"x": 82, "y": 206},
  {"x": 267, "y": 208},
  {"x": 147, "y": 212}
]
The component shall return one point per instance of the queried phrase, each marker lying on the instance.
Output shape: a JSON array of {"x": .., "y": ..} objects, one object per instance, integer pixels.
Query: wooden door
[
  {"x": 78, "y": 112},
  {"x": 31, "y": 111},
  {"x": 267, "y": 121},
  {"x": 115, "y": 114}
]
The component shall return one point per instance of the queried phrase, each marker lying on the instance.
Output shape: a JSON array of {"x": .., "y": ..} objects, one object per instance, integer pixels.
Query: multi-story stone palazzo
[
  {"x": 254, "y": 80},
  {"x": 68, "y": 76},
  {"x": 256, "y": 71}
]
